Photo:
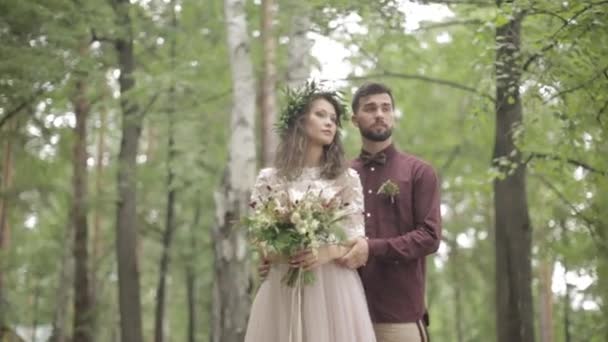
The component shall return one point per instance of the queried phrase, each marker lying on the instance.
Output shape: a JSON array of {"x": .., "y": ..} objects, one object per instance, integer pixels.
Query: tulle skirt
[{"x": 332, "y": 309}]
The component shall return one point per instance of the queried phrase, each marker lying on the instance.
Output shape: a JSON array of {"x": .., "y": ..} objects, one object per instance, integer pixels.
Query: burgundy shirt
[{"x": 402, "y": 231}]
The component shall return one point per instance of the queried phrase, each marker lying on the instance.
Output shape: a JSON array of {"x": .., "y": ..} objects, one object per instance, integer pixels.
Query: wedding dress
[{"x": 333, "y": 308}]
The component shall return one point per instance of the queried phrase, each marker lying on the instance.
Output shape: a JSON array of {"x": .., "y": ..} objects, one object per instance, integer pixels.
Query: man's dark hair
[{"x": 368, "y": 89}]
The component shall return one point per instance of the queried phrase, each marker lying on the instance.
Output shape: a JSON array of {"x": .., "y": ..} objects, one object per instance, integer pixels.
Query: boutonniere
[{"x": 389, "y": 188}]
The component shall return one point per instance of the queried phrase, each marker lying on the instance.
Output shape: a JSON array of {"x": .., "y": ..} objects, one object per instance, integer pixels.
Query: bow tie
[{"x": 368, "y": 158}]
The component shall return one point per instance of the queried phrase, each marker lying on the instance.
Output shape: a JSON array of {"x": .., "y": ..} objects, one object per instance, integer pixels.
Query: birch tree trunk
[
  {"x": 269, "y": 83},
  {"x": 514, "y": 318},
  {"x": 99, "y": 190},
  {"x": 231, "y": 298},
  {"x": 298, "y": 51},
  {"x": 96, "y": 234}
]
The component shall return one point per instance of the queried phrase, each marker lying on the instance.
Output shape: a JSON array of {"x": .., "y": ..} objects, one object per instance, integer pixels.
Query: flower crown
[{"x": 298, "y": 99}]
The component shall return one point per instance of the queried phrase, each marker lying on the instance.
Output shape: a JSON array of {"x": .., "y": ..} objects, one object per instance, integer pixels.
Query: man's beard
[{"x": 370, "y": 134}]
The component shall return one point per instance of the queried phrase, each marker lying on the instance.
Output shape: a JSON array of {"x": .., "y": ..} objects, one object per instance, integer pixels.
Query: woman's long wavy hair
[{"x": 291, "y": 151}]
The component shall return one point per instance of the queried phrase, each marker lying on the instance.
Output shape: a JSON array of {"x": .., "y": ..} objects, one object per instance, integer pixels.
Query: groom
[{"x": 402, "y": 221}]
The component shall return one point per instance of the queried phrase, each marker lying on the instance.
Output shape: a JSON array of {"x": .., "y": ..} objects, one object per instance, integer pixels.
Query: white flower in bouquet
[{"x": 290, "y": 221}]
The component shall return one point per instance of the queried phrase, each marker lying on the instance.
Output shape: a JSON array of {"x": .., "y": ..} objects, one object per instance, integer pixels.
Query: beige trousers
[{"x": 400, "y": 332}]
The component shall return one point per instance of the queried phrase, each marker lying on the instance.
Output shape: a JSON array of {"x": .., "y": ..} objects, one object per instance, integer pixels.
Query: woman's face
[{"x": 320, "y": 125}]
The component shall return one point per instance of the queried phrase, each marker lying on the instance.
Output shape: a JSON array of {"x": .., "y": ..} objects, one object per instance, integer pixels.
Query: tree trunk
[
  {"x": 191, "y": 274},
  {"x": 63, "y": 290},
  {"x": 83, "y": 310},
  {"x": 97, "y": 240},
  {"x": 126, "y": 216},
  {"x": 150, "y": 139},
  {"x": 36, "y": 314},
  {"x": 171, "y": 193},
  {"x": 82, "y": 327},
  {"x": 456, "y": 276},
  {"x": 191, "y": 300},
  {"x": 567, "y": 301},
  {"x": 165, "y": 257},
  {"x": 231, "y": 299},
  {"x": 7, "y": 180},
  {"x": 546, "y": 301},
  {"x": 269, "y": 83},
  {"x": 97, "y": 221},
  {"x": 602, "y": 286},
  {"x": 298, "y": 51},
  {"x": 514, "y": 319}
]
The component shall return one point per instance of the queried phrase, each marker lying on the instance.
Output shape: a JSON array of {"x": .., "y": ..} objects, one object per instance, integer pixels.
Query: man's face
[{"x": 374, "y": 117}]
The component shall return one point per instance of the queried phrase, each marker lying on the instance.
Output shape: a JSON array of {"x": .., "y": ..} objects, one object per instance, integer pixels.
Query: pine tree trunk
[
  {"x": 191, "y": 300},
  {"x": 269, "y": 83},
  {"x": 456, "y": 276},
  {"x": 126, "y": 219},
  {"x": 514, "y": 319},
  {"x": 602, "y": 285},
  {"x": 35, "y": 309},
  {"x": 231, "y": 299},
  {"x": 63, "y": 289},
  {"x": 171, "y": 194},
  {"x": 7, "y": 181},
  {"x": 191, "y": 275},
  {"x": 83, "y": 310},
  {"x": 567, "y": 301},
  {"x": 546, "y": 301},
  {"x": 298, "y": 51}
]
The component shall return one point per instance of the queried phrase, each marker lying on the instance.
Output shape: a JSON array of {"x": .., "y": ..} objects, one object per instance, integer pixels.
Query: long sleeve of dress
[
  {"x": 352, "y": 194},
  {"x": 263, "y": 185}
]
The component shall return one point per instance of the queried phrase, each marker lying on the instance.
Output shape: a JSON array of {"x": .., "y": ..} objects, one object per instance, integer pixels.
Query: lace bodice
[{"x": 310, "y": 179}]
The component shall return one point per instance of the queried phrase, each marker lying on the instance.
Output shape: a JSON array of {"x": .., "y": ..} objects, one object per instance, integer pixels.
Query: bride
[{"x": 310, "y": 157}]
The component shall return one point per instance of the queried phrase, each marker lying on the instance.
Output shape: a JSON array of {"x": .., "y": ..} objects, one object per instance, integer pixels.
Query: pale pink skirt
[{"x": 333, "y": 309}]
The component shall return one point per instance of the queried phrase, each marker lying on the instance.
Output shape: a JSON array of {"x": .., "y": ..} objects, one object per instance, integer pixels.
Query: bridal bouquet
[{"x": 282, "y": 224}]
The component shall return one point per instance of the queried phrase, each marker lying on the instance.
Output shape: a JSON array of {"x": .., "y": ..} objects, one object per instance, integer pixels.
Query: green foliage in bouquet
[{"x": 282, "y": 226}]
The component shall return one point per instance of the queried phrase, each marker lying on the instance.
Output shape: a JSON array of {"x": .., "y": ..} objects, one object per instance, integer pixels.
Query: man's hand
[
  {"x": 263, "y": 268},
  {"x": 357, "y": 256}
]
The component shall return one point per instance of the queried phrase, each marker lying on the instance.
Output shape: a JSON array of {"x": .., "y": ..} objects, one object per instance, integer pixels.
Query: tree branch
[
  {"x": 577, "y": 87},
  {"x": 150, "y": 103},
  {"x": 548, "y": 156},
  {"x": 21, "y": 106},
  {"x": 448, "y": 24},
  {"x": 553, "y": 39},
  {"x": 590, "y": 222},
  {"x": 535, "y": 11},
  {"x": 96, "y": 38},
  {"x": 459, "y": 2},
  {"x": 451, "y": 157},
  {"x": 598, "y": 117},
  {"x": 448, "y": 83}
]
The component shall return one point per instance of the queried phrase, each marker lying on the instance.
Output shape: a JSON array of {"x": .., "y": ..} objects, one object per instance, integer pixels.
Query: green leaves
[{"x": 298, "y": 99}]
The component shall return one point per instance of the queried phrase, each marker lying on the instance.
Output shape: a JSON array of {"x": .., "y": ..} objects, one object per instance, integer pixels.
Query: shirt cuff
[{"x": 377, "y": 247}]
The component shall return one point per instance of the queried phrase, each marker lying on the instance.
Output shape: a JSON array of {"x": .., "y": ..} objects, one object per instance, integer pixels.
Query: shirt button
[
  {"x": 368, "y": 214},
  {"x": 372, "y": 168},
  {"x": 369, "y": 191}
]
